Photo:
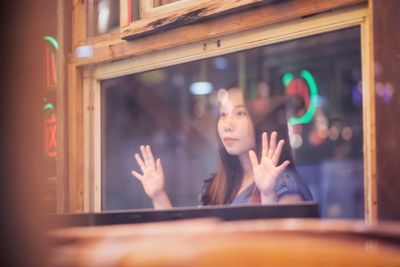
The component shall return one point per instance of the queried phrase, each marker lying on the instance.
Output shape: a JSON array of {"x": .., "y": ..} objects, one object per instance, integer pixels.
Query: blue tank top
[{"x": 288, "y": 183}]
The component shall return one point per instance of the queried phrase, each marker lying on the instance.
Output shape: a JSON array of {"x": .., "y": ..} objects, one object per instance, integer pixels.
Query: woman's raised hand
[
  {"x": 266, "y": 171},
  {"x": 153, "y": 175}
]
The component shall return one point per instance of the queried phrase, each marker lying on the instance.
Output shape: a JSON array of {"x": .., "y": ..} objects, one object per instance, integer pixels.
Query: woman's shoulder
[{"x": 290, "y": 182}]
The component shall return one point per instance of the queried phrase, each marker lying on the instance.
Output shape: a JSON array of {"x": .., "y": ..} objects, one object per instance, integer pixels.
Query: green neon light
[
  {"x": 52, "y": 40},
  {"x": 48, "y": 106},
  {"x": 309, "y": 114},
  {"x": 287, "y": 78}
]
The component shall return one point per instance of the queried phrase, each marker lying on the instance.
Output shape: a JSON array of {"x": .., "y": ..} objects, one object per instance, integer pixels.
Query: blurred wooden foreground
[{"x": 210, "y": 242}]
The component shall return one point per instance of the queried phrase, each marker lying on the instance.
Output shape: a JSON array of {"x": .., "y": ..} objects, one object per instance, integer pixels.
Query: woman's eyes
[
  {"x": 237, "y": 113},
  {"x": 241, "y": 113}
]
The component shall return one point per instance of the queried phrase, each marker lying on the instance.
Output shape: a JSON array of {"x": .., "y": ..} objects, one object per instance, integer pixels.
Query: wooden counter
[{"x": 211, "y": 242}]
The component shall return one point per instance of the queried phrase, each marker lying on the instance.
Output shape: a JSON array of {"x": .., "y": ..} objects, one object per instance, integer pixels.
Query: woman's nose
[{"x": 229, "y": 124}]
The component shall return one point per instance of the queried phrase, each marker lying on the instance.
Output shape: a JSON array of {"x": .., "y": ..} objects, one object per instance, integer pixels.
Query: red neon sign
[
  {"x": 50, "y": 136},
  {"x": 51, "y": 73},
  {"x": 299, "y": 87}
]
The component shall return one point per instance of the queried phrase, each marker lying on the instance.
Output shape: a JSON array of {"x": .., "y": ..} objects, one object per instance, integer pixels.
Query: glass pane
[
  {"x": 309, "y": 87},
  {"x": 134, "y": 10},
  {"x": 105, "y": 16}
]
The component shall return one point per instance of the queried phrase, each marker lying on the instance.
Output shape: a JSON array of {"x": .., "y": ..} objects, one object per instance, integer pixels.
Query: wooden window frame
[
  {"x": 233, "y": 42},
  {"x": 148, "y": 10},
  {"x": 164, "y": 23},
  {"x": 154, "y": 19}
]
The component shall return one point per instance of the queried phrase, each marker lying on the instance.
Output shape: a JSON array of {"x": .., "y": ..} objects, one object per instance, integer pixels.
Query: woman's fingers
[
  {"x": 147, "y": 163},
  {"x": 282, "y": 166},
  {"x": 277, "y": 152},
  {"x": 144, "y": 154},
  {"x": 272, "y": 145},
  {"x": 137, "y": 175},
  {"x": 160, "y": 170},
  {"x": 264, "y": 141},
  {"x": 253, "y": 159},
  {"x": 140, "y": 162},
  {"x": 150, "y": 157}
]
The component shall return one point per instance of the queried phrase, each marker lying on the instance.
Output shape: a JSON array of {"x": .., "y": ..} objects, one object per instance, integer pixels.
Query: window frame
[
  {"x": 113, "y": 45},
  {"x": 268, "y": 34},
  {"x": 148, "y": 10},
  {"x": 183, "y": 12}
]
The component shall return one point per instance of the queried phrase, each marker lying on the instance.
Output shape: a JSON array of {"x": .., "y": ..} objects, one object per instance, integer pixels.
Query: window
[
  {"x": 311, "y": 66},
  {"x": 317, "y": 81}
]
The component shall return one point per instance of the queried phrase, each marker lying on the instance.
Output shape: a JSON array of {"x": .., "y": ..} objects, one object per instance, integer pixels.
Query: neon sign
[
  {"x": 51, "y": 71},
  {"x": 50, "y": 132},
  {"x": 50, "y": 120},
  {"x": 306, "y": 87}
]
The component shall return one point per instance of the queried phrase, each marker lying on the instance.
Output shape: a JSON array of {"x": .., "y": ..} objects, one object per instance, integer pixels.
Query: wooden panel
[
  {"x": 124, "y": 12},
  {"x": 385, "y": 16},
  {"x": 75, "y": 138},
  {"x": 369, "y": 129},
  {"x": 212, "y": 28},
  {"x": 63, "y": 31},
  {"x": 78, "y": 21}
]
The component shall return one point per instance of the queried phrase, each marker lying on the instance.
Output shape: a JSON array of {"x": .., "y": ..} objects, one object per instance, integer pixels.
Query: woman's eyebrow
[
  {"x": 234, "y": 107},
  {"x": 239, "y": 106}
]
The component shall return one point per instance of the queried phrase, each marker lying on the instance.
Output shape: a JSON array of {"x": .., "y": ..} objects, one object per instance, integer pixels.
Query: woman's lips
[{"x": 230, "y": 140}]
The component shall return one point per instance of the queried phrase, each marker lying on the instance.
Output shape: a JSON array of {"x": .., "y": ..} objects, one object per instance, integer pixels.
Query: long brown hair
[{"x": 224, "y": 185}]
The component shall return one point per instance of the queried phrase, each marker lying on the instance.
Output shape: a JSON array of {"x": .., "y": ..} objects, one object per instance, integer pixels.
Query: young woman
[{"x": 242, "y": 176}]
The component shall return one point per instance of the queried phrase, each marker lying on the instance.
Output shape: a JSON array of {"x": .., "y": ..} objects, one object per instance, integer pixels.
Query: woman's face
[{"x": 235, "y": 127}]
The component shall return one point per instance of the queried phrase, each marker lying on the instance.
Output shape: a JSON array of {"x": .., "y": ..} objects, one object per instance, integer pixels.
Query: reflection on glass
[
  {"x": 106, "y": 16},
  {"x": 133, "y": 10},
  {"x": 308, "y": 90}
]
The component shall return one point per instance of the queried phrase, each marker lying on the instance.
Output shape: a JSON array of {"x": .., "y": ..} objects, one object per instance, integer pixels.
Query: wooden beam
[
  {"x": 369, "y": 125},
  {"x": 75, "y": 138},
  {"x": 61, "y": 187},
  {"x": 78, "y": 22},
  {"x": 213, "y": 28},
  {"x": 386, "y": 85}
]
